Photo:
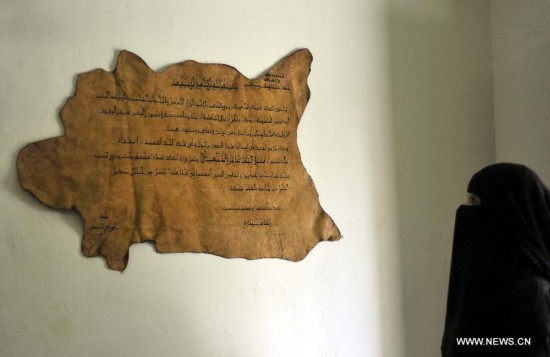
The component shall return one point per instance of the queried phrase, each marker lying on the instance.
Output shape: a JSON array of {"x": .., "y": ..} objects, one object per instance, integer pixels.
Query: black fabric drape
[{"x": 500, "y": 264}]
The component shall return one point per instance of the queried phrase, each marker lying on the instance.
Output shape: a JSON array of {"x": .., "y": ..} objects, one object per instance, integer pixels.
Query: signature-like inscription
[{"x": 102, "y": 224}]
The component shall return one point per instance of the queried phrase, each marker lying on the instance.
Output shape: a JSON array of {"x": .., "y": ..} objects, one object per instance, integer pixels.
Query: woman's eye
[{"x": 472, "y": 200}]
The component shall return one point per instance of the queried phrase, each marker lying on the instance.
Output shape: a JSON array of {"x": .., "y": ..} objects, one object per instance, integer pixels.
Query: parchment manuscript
[{"x": 196, "y": 158}]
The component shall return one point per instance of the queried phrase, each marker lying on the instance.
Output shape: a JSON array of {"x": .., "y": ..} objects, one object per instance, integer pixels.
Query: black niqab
[{"x": 507, "y": 234}]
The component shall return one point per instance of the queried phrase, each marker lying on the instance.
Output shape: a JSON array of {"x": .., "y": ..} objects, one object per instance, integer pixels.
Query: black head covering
[
  {"x": 490, "y": 243},
  {"x": 519, "y": 197}
]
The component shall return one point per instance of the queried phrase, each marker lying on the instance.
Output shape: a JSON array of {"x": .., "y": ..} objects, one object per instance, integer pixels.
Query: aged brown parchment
[{"x": 196, "y": 158}]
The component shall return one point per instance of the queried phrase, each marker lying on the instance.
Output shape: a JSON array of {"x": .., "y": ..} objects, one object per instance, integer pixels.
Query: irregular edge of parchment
[{"x": 122, "y": 56}]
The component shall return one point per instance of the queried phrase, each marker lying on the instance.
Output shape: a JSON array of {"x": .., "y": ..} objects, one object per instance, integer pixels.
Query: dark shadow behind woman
[{"x": 499, "y": 286}]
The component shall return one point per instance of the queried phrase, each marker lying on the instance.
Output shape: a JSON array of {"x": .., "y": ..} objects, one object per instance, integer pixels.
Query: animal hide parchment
[{"x": 196, "y": 158}]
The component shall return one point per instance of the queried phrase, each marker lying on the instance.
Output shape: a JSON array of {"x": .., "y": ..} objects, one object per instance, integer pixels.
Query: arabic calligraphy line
[
  {"x": 162, "y": 99},
  {"x": 202, "y": 116},
  {"x": 203, "y": 83},
  {"x": 265, "y": 133}
]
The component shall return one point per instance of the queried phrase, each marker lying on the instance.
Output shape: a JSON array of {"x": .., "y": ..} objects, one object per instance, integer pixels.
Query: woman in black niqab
[{"x": 499, "y": 286}]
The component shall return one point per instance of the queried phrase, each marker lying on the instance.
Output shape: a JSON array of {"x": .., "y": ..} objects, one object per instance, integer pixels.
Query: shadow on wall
[{"x": 442, "y": 116}]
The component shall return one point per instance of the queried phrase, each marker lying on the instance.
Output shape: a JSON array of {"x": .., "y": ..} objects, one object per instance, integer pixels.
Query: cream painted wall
[
  {"x": 521, "y": 55},
  {"x": 470, "y": 82},
  {"x": 441, "y": 90},
  {"x": 344, "y": 299}
]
